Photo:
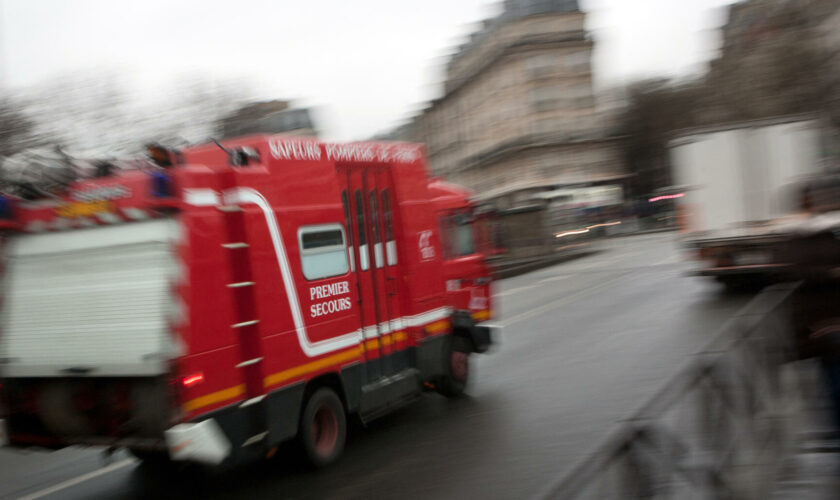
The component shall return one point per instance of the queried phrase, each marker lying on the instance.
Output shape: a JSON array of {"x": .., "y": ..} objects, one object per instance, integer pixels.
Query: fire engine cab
[{"x": 219, "y": 300}]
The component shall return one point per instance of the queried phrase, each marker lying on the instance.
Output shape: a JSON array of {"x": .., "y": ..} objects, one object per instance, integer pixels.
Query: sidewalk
[
  {"x": 505, "y": 268},
  {"x": 813, "y": 473},
  {"x": 641, "y": 232},
  {"x": 510, "y": 268}
]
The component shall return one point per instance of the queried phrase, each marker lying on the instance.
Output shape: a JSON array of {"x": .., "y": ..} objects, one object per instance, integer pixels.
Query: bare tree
[
  {"x": 654, "y": 110},
  {"x": 105, "y": 115},
  {"x": 17, "y": 129},
  {"x": 192, "y": 108},
  {"x": 773, "y": 67}
]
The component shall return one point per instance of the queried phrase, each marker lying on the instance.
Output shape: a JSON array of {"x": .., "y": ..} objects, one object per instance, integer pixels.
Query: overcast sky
[{"x": 366, "y": 64}]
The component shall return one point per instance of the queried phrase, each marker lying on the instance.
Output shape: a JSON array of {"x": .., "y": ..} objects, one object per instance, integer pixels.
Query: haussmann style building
[{"x": 518, "y": 121}]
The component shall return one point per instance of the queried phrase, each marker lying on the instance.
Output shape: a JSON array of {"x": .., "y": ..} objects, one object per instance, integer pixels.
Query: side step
[{"x": 384, "y": 395}]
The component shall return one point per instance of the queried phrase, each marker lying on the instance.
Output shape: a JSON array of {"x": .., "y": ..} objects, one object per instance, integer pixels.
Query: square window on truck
[
  {"x": 458, "y": 236},
  {"x": 323, "y": 253}
]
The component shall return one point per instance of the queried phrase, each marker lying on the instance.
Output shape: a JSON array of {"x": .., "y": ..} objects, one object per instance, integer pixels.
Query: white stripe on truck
[{"x": 243, "y": 195}]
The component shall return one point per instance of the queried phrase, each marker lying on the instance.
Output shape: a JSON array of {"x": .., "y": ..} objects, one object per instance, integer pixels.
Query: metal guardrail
[{"x": 720, "y": 429}]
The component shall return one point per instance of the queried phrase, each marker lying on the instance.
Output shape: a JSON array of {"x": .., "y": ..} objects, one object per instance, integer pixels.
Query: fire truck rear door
[
  {"x": 357, "y": 241},
  {"x": 369, "y": 258},
  {"x": 387, "y": 267}
]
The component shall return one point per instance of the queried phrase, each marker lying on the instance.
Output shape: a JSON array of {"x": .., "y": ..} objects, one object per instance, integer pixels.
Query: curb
[
  {"x": 503, "y": 271},
  {"x": 642, "y": 233}
]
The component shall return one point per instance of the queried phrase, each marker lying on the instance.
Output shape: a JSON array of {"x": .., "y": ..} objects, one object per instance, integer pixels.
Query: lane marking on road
[
  {"x": 674, "y": 259},
  {"x": 555, "y": 278},
  {"x": 602, "y": 262},
  {"x": 514, "y": 290},
  {"x": 79, "y": 479},
  {"x": 611, "y": 338},
  {"x": 562, "y": 300},
  {"x": 533, "y": 285}
]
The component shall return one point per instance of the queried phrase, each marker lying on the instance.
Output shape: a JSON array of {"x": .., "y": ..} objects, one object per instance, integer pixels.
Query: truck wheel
[
  {"x": 323, "y": 428},
  {"x": 454, "y": 383},
  {"x": 741, "y": 284},
  {"x": 152, "y": 458}
]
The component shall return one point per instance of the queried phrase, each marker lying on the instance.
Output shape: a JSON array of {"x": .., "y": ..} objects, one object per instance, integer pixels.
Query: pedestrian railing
[{"x": 721, "y": 428}]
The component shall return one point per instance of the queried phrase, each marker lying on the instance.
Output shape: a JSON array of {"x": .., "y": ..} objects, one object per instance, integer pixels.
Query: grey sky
[{"x": 365, "y": 63}]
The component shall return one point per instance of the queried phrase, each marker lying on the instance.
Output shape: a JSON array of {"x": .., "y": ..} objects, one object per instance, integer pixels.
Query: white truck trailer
[{"x": 741, "y": 193}]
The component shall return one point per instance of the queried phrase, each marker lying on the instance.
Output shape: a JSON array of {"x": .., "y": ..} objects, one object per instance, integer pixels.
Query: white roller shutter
[{"x": 92, "y": 302}]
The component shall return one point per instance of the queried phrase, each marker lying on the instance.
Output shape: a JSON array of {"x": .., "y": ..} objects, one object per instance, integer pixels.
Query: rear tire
[
  {"x": 743, "y": 284},
  {"x": 323, "y": 428},
  {"x": 454, "y": 383},
  {"x": 152, "y": 458}
]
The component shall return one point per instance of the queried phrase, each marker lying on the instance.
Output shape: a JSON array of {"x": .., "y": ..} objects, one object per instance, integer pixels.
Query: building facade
[
  {"x": 518, "y": 114},
  {"x": 269, "y": 117}
]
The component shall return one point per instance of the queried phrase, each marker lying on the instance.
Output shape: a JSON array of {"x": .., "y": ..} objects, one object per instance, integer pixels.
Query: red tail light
[{"x": 193, "y": 379}]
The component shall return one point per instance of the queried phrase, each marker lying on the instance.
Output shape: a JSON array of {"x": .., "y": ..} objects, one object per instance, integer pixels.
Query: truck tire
[
  {"x": 454, "y": 382},
  {"x": 743, "y": 284},
  {"x": 151, "y": 458},
  {"x": 323, "y": 428}
]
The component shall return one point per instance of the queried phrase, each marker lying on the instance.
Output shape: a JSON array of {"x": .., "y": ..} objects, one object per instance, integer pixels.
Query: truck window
[
  {"x": 348, "y": 228},
  {"x": 360, "y": 226},
  {"x": 463, "y": 237},
  {"x": 377, "y": 238},
  {"x": 323, "y": 253},
  {"x": 457, "y": 236},
  {"x": 390, "y": 244},
  {"x": 360, "y": 218},
  {"x": 444, "y": 228}
]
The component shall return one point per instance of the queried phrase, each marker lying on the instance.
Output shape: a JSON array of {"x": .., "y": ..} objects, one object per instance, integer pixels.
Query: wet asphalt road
[{"x": 585, "y": 342}]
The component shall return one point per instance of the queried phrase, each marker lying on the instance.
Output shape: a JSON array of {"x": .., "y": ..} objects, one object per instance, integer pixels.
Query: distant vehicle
[
  {"x": 578, "y": 213},
  {"x": 231, "y": 297},
  {"x": 740, "y": 191}
]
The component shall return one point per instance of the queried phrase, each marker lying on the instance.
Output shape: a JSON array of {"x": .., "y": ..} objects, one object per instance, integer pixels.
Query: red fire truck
[{"x": 229, "y": 297}]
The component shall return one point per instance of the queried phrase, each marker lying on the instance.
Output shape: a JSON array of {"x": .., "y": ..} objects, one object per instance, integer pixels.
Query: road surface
[{"x": 585, "y": 342}]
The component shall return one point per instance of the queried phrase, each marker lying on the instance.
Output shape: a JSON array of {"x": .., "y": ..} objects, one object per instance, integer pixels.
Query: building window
[
  {"x": 577, "y": 62},
  {"x": 552, "y": 125},
  {"x": 585, "y": 102},
  {"x": 546, "y": 97},
  {"x": 542, "y": 64},
  {"x": 323, "y": 253}
]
